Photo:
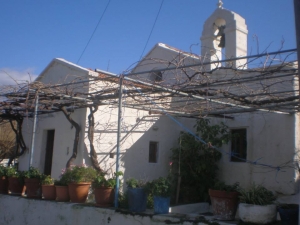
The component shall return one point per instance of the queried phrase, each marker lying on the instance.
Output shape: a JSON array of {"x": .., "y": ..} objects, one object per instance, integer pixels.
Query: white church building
[{"x": 271, "y": 137}]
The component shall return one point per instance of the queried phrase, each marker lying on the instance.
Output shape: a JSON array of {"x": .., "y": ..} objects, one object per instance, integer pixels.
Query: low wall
[{"x": 15, "y": 210}]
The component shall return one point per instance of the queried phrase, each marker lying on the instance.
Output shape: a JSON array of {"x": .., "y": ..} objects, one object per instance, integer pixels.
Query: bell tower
[{"x": 224, "y": 36}]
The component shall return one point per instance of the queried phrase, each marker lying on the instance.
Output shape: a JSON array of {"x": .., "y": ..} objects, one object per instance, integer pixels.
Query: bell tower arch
[{"x": 224, "y": 36}]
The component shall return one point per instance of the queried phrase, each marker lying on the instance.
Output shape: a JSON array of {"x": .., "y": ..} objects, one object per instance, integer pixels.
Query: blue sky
[{"x": 33, "y": 32}]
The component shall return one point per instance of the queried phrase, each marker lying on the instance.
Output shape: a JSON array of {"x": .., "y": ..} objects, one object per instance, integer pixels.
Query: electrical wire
[
  {"x": 93, "y": 32},
  {"x": 152, "y": 28}
]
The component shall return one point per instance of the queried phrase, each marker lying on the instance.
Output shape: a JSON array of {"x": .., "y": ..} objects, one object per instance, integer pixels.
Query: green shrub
[
  {"x": 221, "y": 186},
  {"x": 78, "y": 174},
  {"x": 33, "y": 173},
  {"x": 47, "y": 180},
  {"x": 101, "y": 181},
  {"x": 13, "y": 172},
  {"x": 256, "y": 195},
  {"x": 196, "y": 162},
  {"x": 160, "y": 187},
  {"x": 134, "y": 183},
  {"x": 3, "y": 171}
]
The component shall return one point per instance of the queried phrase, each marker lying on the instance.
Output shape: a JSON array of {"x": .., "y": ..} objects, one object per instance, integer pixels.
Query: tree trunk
[
  {"x": 19, "y": 137},
  {"x": 76, "y": 139},
  {"x": 91, "y": 130}
]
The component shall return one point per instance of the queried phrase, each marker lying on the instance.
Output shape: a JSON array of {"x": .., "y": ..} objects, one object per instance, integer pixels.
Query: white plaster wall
[
  {"x": 271, "y": 141},
  {"x": 63, "y": 141},
  {"x": 60, "y": 71},
  {"x": 138, "y": 128},
  {"x": 163, "y": 56}
]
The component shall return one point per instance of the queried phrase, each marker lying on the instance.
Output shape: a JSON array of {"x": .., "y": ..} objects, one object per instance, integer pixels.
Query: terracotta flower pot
[
  {"x": 224, "y": 204},
  {"x": 104, "y": 196},
  {"x": 62, "y": 193},
  {"x": 33, "y": 188},
  {"x": 16, "y": 186},
  {"x": 3, "y": 185},
  {"x": 48, "y": 192},
  {"x": 79, "y": 192}
]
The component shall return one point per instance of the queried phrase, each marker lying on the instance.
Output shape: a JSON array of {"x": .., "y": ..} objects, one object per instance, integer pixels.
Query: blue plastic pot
[
  {"x": 289, "y": 214},
  {"x": 161, "y": 205},
  {"x": 137, "y": 199}
]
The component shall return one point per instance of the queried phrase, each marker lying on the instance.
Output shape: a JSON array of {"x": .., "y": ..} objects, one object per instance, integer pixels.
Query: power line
[
  {"x": 93, "y": 32},
  {"x": 152, "y": 28}
]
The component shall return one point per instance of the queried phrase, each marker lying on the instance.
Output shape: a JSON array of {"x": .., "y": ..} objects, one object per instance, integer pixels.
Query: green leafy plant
[
  {"x": 256, "y": 195},
  {"x": 79, "y": 174},
  {"x": 33, "y": 173},
  {"x": 47, "y": 180},
  {"x": 134, "y": 183},
  {"x": 195, "y": 162},
  {"x": 61, "y": 182},
  {"x": 160, "y": 187},
  {"x": 101, "y": 181},
  {"x": 13, "y": 172},
  {"x": 3, "y": 171},
  {"x": 221, "y": 186}
]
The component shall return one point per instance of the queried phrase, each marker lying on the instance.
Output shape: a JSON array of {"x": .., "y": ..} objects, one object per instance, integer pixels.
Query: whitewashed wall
[
  {"x": 270, "y": 141},
  {"x": 63, "y": 141}
]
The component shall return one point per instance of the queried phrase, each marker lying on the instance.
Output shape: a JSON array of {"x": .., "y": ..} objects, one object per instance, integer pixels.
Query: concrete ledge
[
  {"x": 190, "y": 208},
  {"x": 17, "y": 210}
]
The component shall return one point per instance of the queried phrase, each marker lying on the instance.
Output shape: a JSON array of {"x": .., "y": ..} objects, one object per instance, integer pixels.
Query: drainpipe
[
  {"x": 297, "y": 28},
  {"x": 33, "y": 130},
  {"x": 118, "y": 139}
]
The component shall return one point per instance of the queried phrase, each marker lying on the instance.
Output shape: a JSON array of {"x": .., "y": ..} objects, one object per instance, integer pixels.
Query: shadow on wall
[{"x": 149, "y": 156}]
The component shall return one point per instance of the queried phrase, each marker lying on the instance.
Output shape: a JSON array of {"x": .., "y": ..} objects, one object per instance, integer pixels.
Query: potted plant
[
  {"x": 224, "y": 200},
  {"x": 61, "y": 189},
  {"x": 161, "y": 190},
  {"x": 289, "y": 214},
  {"x": 136, "y": 193},
  {"x": 79, "y": 179},
  {"x": 257, "y": 205},
  {"x": 104, "y": 189},
  {"x": 48, "y": 188},
  {"x": 15, "y": 181},
  {"x": 3, "y": 180},
  {"x": 32, "y": 179}
]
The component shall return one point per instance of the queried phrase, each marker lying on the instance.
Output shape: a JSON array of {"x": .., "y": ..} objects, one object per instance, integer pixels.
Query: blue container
[
  {"x": 161, "y": 205},
  {"x": 137, "y": 199},
  {"x": 289, "y": 214}
]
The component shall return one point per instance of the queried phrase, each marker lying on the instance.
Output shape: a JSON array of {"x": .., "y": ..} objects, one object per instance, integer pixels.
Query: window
[
  {"x": 153, "y": 152},
  {"x": 238, "y": 145},
  {"x": 156, "y": 76}
]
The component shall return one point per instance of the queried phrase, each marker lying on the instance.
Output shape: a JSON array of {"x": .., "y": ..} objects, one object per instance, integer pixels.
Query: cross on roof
[{"x": 219, "y": 4}]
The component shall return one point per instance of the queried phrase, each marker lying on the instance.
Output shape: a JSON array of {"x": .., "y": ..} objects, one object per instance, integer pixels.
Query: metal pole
[
  {"x": 33, "y": 130},
  {"x": 118, "y": 140},
  {"x": 297, "y": 28}
]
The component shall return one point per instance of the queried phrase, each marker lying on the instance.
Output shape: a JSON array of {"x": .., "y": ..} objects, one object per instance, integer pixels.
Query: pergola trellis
[{"x": 225, "y": 90}]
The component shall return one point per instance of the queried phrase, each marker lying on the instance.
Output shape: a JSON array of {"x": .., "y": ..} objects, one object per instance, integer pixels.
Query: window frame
[
  {"x": 241, "y": 142},
  {"x": 151, "y": 156}
]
